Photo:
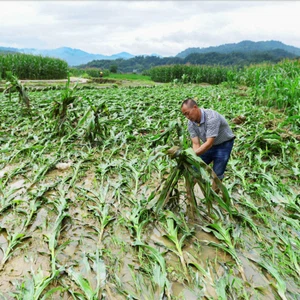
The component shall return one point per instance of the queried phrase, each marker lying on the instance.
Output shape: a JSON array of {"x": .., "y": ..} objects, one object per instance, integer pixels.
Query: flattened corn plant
[
  {"x": 13, "y": 84},
  {"x": 114, "y": 224}
]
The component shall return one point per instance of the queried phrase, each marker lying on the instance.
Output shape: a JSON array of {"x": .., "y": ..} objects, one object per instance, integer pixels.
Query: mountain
[
  {"x": 73, "y": 57},
  {"x": 7, "y": 50},
  {"x": 124, "y": 55},
  {"x": 243, "y": 47},
  {"x": 238, "y": 59},
  {"x": 77, "y": 57}
]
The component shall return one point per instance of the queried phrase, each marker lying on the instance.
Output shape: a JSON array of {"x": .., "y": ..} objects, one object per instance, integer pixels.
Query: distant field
[{"x": 129, "y": 76}]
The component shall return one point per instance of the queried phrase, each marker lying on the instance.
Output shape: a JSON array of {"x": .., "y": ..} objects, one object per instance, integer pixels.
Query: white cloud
[{"x": 145, "y": 27}]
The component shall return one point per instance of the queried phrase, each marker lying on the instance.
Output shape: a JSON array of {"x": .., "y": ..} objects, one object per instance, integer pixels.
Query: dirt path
[{"x": 72, "y": 79}]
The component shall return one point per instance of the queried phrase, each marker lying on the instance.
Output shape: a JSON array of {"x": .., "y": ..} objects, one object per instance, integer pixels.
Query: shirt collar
[{"x": 202, "y": 116}]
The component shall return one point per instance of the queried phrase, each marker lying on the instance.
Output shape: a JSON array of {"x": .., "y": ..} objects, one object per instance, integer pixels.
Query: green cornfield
[
  {"x": 188, "y": 73},
  {"x": 274, "y": 85},
  {"x": 26, "y": 66}
]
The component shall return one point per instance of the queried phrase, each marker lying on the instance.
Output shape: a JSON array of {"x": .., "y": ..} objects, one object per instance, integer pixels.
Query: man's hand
[{"x": 205, "y": 146}]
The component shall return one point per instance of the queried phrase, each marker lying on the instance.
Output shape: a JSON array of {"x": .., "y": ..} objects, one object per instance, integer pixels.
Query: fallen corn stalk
[{"x": 194, "y": 171}]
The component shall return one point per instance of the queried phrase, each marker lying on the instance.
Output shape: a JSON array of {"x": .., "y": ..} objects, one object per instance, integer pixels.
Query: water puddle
[
  {"x": 18, "y": 184},
  {"x": 39, "y": 219},
  {"x": 157, "y": 238},
  {"x": 3, "y": 243},
  {"x": 5, "y": 171},
  {"x": 256, "y": 278},
  {"x": 182, "y": 292}
]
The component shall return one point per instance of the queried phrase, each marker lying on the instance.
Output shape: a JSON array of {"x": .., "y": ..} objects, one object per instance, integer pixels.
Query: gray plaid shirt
[{"x": 212, "y": 124}]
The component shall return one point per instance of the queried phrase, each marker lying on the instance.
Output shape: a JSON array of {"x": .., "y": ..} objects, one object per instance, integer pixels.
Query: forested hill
[
  {"x": 244, "y": 47},
  {"x": 3, "y": 52},
  {"x": 143, "y": 63}
]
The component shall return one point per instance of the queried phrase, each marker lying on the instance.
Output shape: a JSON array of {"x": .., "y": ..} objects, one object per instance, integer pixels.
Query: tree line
[{"x": 142, "y": 64}]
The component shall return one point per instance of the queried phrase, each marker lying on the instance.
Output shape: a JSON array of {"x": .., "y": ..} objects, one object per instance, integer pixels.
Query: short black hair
[{"x": 189, "y": 102}]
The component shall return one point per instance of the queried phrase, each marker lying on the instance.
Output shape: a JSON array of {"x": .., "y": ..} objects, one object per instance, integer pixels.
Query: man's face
[{"x": 192, "y": 113}]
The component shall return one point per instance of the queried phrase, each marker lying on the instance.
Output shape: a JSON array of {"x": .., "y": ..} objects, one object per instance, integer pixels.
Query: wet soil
[{"x": 78, "y": 238}]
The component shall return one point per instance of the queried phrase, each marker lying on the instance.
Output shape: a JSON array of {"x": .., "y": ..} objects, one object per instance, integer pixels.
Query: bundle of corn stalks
[
  {"x": 97, "y": 129},
  {"x": 194, "y": 171},
  {"x": 60, "y": 108}
]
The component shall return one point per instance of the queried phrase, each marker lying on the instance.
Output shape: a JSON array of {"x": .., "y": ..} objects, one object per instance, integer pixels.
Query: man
[{"x": 213, "y": 130}]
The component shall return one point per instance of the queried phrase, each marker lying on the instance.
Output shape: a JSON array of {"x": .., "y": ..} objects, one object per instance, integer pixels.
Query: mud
[{"x": 78, "y": 242}]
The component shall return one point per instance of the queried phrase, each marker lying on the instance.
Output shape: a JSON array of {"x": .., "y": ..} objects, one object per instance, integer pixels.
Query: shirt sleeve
[
  {"x": 213, "y": 126},
  {"x": 191, "y": 130}
]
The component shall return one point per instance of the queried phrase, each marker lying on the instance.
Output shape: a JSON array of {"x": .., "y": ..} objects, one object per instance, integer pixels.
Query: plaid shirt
[{"x": 212, "y": 124}]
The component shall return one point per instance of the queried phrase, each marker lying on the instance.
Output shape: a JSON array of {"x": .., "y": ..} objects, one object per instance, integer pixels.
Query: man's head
[{"x": 191, "y": 110}]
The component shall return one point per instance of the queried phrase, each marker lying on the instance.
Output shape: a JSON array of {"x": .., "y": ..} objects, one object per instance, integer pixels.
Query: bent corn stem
[
  {"x": 172, "y": 235},
  {"x": 13, "y": 240}
]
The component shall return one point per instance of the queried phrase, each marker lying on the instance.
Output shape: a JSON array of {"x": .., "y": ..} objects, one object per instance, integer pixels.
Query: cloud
[{"x": 145, "y": 27}]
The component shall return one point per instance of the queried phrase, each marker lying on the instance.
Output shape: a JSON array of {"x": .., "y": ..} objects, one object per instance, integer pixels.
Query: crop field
[{"x": 93, "y": 207}]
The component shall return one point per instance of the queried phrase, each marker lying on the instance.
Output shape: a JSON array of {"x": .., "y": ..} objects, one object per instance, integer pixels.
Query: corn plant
[
  {"x": 13, "y": 239},
  {"x": 59, "y": 111},
  {"x": 136, "y": 219},
  {"x": 280, "y": 283},
  {"x": 102, "y": 214},
  {"x": 53, "y": 234},
  {"x": 172, "y": 235},
  {"x": 157, "y": 256},
  {"x": 205, "y": 274},
  {"x": 197, "y": 74},
  {"x": 35, "y": 286},
  {"x": 231, "y": 286},
  {"x": 124, "y": 184},
  {"x": 15, "y": 84},
  {"x": 99, "y": 268},
  {"x": 96, "y": 129},
  {"x": 193, "y": 169},
  {"x": 44, "y": 167},
  {"x": 8, "y": 198},
  {"x": 33, "y": 206},
  {"x": 151, "y": 288},
  {"x": 27, "y": 66},
  {"x": 223, "y": 235}
]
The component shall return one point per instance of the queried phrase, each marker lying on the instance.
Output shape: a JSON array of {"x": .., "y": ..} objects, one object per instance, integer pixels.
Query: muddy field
[{"x": 78, "y": 217}]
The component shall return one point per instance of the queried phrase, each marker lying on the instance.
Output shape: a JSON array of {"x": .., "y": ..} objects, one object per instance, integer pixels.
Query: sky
[{"x": 145, "y": 27}]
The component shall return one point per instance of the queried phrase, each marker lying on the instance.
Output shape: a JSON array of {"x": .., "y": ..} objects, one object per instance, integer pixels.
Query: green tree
[{"x": 113, "y": 68}]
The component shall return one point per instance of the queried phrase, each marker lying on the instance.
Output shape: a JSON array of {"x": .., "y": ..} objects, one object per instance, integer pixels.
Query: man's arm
[{"x": 200, "y": 149}]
